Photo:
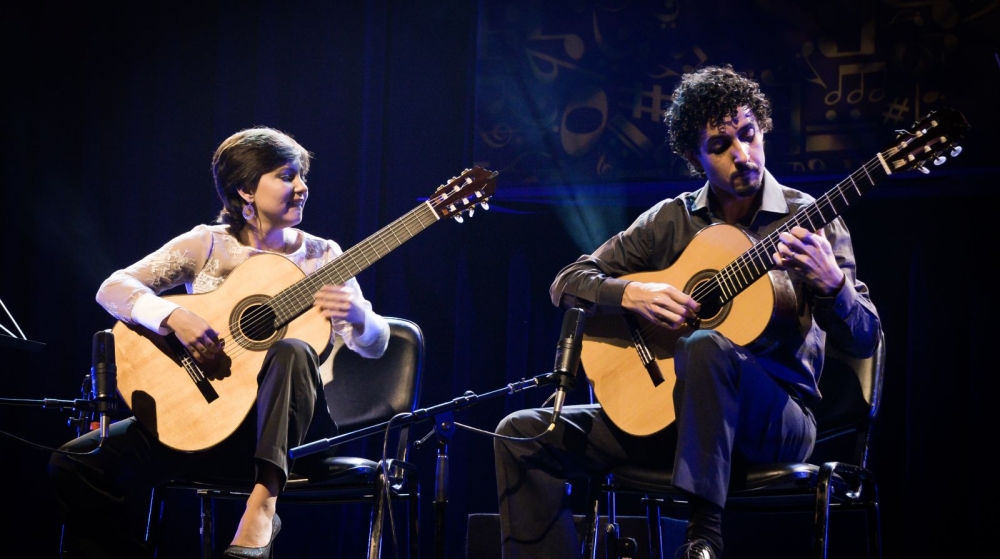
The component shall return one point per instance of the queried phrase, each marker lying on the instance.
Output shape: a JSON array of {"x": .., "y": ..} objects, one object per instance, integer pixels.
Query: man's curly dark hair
[{"x": 708, "y": 96}]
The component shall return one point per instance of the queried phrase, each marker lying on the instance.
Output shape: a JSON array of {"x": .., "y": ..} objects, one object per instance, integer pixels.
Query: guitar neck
[
  {"x": 298, "y": 297},
  {"x": 754, "y": 263}
]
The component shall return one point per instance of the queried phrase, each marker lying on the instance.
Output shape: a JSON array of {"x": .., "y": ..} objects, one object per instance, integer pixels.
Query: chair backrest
[
  {"x": 365, "y": 391},
  {"x": 852, "y": 391}
]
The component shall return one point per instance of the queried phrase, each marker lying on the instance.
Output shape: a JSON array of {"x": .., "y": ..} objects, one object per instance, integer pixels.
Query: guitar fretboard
[
  {"x": 298, "y": 297},
  {"x": 730, "y": 281}
]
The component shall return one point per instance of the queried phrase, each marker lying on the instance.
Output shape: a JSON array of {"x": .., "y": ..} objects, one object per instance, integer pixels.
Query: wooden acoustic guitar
[
  {"x": 190, "y": 406},
  {"x": 629, "y": 360}
]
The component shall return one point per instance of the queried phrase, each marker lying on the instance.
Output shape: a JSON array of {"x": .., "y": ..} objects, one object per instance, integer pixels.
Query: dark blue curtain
[{"x": 111, "y": 115}]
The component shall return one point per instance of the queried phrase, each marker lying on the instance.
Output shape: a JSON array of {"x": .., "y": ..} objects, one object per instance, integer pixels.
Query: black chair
[
  {"x": 835, "y": 477},
  {"x": 363, "y": 393}
]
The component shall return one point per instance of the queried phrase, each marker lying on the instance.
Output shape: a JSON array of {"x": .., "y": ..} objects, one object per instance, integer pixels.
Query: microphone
[
  {"x": 567, "y": 358},
  {"x": 104, "y": 377}
]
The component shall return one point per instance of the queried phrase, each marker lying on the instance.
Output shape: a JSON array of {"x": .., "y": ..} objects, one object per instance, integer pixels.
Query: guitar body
[
  {"x": 637, "y": 396},
  {"x": 155, "y": 374},
  {"x": 189, "y": 406}
]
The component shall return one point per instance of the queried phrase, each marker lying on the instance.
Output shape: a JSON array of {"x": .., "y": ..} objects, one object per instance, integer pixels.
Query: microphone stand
[
  {"x": 83, "y": 423},
  {"x": 85, "y": 404},
  {"x": 444, "y": 427}
]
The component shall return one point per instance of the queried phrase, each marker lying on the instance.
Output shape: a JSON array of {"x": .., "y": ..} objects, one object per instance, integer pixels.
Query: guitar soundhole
[
  {"x": 712, "y": 313},
  {"x": 252, "y": 323}
]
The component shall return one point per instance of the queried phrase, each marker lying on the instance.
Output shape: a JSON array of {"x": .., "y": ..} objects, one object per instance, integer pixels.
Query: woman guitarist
[{"x": 260, "y": 176}]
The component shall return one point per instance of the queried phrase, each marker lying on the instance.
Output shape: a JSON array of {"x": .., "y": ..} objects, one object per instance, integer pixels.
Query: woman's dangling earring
[{"x": 248, "y": 212}]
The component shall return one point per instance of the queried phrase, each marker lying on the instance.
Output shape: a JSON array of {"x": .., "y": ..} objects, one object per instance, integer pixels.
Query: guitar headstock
[
  {"x": 463, "y": 193},
  {"x": 928, "y": 139}
]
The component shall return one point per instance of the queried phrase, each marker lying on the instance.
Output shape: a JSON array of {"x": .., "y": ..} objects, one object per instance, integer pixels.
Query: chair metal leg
[
  {"x": 207, "y": 526},
  {"x": 821, "y": 526},
  {"x": 655, "y": 526},
  {"x": 874, "y": 522},
  {"x": 592, "y": 520},
  {"x": 611, "y": 531},
  {"x": 867, "y": 490},
  {"x": 378, "y": 516},
  {"x": 153, "y": 520},
  {"x": 413, "y": 513},
  {"x": 62, "y": 538}
]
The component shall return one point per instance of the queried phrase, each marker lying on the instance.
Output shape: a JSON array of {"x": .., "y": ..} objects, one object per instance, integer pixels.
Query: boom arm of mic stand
[
  {"x": 417, "y": 416},
  {"x": 76, "y": 405}
]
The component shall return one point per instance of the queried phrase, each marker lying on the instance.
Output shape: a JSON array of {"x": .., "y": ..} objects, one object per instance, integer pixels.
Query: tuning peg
[
  {"x": 939, "y": 160},
  {"x": 458, "y": 218},
  {"x": 956, "y": 151},
  {"x": 923, "y": 169},
  {"x": 484, "y": 205},
  {"x": 472, "y": 210}
]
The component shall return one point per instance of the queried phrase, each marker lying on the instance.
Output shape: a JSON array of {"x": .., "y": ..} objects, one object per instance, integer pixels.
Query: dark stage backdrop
[{"x": 110, "y": 117}]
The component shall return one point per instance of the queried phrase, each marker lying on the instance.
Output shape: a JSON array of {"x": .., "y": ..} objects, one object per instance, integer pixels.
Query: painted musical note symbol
[
  {"x": 546, "y": 66},
  {"x": 583, "y": 120},
  {"x": 804, "y": 53},
  {"x": 856, "y": 95}
]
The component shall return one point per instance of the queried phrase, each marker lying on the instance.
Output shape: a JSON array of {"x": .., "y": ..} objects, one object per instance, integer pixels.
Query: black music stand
[
  {"x": 9, "y": 339},
  {"x": 22, "y": 344}
]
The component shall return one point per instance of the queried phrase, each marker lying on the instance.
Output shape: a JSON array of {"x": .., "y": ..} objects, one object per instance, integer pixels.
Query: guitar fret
[
  {"x": 353, "y": 262},
  {"x": 367, "y": 262},
  {"x": 812, "y": 226},
  {"x": 730, "y": 280},
  {"x": 831, "y": 203},
  {"x": 759, "y": 265},
  {"x": 297, "y": 298},
  {"x": 844, "y": 196},
  {"x": 742, "y": 270},
  {"x": 720, "y": 279},
  {"x": 867, "y": 175},
  {"x": 388, "y": 249},
  {"x": 407, "y": 230}
]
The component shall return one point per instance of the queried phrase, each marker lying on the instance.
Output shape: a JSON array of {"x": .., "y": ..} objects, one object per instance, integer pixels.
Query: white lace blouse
[{"x": 202, "y": 259}]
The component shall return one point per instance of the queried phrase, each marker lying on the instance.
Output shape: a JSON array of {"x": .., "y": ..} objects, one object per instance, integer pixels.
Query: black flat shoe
[{"x": 255, "y": 552}]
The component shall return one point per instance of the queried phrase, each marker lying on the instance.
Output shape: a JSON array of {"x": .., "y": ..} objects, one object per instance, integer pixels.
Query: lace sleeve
[
  {"x": 375, "y": 340},
  {"x": 376, "y": 337},
  {"x": 175, "y": 263}
]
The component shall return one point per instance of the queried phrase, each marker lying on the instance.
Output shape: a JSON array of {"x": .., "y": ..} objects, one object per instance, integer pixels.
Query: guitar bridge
[
  {"x": 645, "y": 356},
  {"x": 193, "y": 370}
]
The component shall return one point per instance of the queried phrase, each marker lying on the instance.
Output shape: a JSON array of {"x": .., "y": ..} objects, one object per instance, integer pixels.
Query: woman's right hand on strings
[
  {"x": 660, "y": 303},
  {"x": 201, "y": 341}
]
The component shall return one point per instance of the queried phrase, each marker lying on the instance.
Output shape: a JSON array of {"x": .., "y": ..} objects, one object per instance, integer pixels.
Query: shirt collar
[{"x": 773, "y": 200}]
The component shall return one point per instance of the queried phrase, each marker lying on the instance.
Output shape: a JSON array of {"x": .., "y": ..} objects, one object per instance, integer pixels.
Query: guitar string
[
  {"x": 769, "y": 243},
  {"x": 759, "y": 253},
  {"x": 755, "y": 254},
  {"x": 309, "y": 287},
  {"x": 260, "y": 324},
  {"x": 337, "y": 268}
]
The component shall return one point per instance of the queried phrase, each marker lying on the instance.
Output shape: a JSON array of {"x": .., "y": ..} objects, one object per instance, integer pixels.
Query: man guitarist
[
  {"x": 260, "y": 177},
  {"x": 732, "y": 403}
]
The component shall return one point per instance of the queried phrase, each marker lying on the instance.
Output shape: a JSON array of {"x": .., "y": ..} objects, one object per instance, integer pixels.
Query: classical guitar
[
  {"x": 629, "y": 361},
  {"x": 190, "y": 406}
]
